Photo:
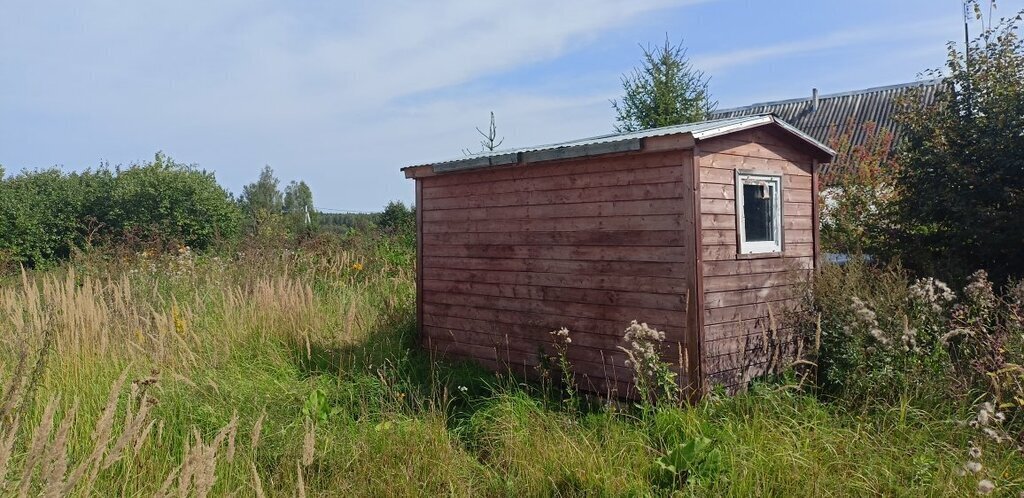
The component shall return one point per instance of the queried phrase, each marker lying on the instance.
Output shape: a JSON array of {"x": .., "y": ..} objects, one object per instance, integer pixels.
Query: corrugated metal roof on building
[
  {"x": 834, "y": 110},
  {"x": 617, "y": 142}
]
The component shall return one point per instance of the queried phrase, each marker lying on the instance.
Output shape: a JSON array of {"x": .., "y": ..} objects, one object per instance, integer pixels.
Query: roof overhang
[{"x": 657, "y": 139}]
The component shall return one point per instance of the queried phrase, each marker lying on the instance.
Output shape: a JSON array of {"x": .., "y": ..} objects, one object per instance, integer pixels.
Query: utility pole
[
  {"x": 967, "y": 38},
  {"x": 306, "y": 209}
]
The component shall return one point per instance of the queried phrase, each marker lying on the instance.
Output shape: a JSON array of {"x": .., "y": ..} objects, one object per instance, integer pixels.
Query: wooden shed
[{"x": 700, "y": 230}]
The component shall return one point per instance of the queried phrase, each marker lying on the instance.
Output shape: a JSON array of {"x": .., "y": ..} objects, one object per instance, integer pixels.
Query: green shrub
[
  {"x": 875, "y": 335},
  {"x": 172, "y": 202},
  {"x": 879, "y": 337},
  {"x": 45, "y": 215}
]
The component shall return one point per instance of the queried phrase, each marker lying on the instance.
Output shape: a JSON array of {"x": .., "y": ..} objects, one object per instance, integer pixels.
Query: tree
[
  {"x": 298, "y": 206},
  {"x": 490, "y": 141},
  {"x": 857, "y": 192},
  {"x": 263, "y": 196},
  {"x": 397, "y": 218},
  {"x": 666, "y": 90},
  {"x": 962, "y": 184}
]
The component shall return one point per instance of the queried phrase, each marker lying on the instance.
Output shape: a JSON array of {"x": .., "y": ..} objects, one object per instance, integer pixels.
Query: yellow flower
[{"x": 357, "y": 266}]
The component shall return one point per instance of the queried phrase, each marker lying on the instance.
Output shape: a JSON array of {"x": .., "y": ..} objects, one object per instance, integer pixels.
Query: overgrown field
[{"x": 297, "y": 374}]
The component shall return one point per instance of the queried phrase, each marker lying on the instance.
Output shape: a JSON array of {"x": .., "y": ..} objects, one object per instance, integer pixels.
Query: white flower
[
  {"x": 985, "y": 486},
  {"x": 973, "y": 467}
]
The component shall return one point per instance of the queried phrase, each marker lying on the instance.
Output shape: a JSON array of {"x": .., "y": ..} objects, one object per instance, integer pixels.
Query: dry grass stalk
[
  {"x": 232, "y": 434},
  {"x": 6, "y": 451},
  {"x": 198, "y": 471},
  {"x": 14, "y": 386},
  {"x": 56, "y": 460},
  {"x": 257, "y": 429},
  {"x": 257, "y": 483},
  {"x": 301, "y": 481},
  {"x": 37, "y": 449},
  {"x": 101, "y": 439},
  {"x": 308, "y": 443}
]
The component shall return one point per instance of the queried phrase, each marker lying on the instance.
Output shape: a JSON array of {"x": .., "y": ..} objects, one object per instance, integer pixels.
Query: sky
[{"x": 344, "y": 94}]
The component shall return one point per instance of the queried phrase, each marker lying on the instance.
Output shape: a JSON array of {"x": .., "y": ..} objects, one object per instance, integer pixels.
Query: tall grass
[{"x": 296, "y": 373}]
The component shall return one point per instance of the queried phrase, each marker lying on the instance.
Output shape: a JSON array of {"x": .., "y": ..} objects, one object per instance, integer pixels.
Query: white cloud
[
  {"x": 884, "y": 34},
  {"x": 323, "y": 91}
]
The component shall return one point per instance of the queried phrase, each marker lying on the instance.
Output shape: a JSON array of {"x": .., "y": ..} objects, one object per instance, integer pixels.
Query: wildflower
[
  {"x": 643, "y": 356},
  {"x": 979, "y": 290},
  {"x": 985, "y": 486},
  {"x": 972, "y": 467},
  {"x": 562, "y": 335},
  {"x": 932, "y": 292},
  {"x": 357, "y": 266},
  {"x": 975, "y": 452},
  {"x": 463, "y": 389}
]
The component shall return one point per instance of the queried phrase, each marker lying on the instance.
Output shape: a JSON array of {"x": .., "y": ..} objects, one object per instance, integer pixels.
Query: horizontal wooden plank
[
  {"x": 729, "y": 237},
  {"x": 673, "y": 190},
  {"x": 723, "y": 206},
  {"x": 614, "y": 223},
  {"x": 740, "y": 328},
  {"x": 561, "y": 168},
  {"x": 729, "y": 252},
  {"x": 662, "y": 238},
  {"x": 755, "y": 266},
  {"x": 571, "y": 253},
  {"x": 749, "y": 311},
  {"x": 628, "y": 269},
  {"x": 601, "y": 312},
  {"x": 584, "y": 176},
  {"x": 728, "y": 145},
  {"x": 619, "y": 384},
  {"x": 750, "y": 343},
  {"x": 721, "y": 283},
  {"x": 611, "y": 208},
  {"x": 532, "y": 334},
  {"x": 561, "y": 294},
  {"x": 750, "y": 296},
  {"x": 727, "y": 176},
  {"x": 728, "y": 222},
  {"x": 657, "y": 285},
  {"x": 550, "y": 321},
  {"x": 505, "y": 344},
  {"x": 728, "y": 192}
]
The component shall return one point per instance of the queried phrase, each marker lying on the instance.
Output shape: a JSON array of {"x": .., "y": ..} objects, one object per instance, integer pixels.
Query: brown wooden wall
[
  {"x": 742, "y": 293},
  {"x": 510, "y": 254}
]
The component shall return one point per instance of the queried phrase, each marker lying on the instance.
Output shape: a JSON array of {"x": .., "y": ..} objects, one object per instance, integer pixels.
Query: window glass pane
[{"x": 758, "y": 216}]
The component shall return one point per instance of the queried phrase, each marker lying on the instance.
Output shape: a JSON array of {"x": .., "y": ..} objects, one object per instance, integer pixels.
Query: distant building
[{"x": 817, "y": 114}]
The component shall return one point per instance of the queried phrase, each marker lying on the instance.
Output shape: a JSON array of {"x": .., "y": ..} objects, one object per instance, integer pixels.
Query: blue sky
[{"x": 344, "y": 95}]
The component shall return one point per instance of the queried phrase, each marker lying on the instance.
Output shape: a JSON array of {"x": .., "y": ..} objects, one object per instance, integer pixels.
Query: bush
[
  {"x": 874, "y": 335},
  {"x": 46, "y": 215},
  {"x": 172, "y": 202},
  {"x": 960, "y": 184},
  {"x": 879, "y": 337}
]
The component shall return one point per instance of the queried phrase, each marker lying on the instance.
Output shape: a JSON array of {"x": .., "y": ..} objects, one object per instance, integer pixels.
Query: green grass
[{"x": 392, "y": 421}]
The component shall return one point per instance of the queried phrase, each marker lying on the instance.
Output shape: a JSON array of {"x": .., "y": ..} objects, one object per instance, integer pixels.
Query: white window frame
[{"x": 767, "y": 246}]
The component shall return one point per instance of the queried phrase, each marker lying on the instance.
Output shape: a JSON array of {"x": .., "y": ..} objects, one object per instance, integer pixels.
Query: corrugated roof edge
[
  {"x": 897, "y": 86},
  {"x": 623, "y": 142}
]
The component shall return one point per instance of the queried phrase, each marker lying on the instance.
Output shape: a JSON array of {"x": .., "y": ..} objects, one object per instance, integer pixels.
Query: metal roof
[
  {"x": 618, "y": 142},
  {"x": 834, "y": 110}
]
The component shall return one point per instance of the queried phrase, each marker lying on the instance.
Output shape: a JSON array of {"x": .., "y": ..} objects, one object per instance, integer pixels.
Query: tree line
[{"x": 48, "y": 215}]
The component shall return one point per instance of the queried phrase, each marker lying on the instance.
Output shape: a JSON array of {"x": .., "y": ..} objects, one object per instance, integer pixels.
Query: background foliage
[{"x": 962, "y": 181}]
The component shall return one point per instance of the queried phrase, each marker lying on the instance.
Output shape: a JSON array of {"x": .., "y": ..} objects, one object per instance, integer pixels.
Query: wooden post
[
  {"x": 419, "y": 259},
  {"x": 815, "y": 215},
  {"x": 695, "y": 305}
]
